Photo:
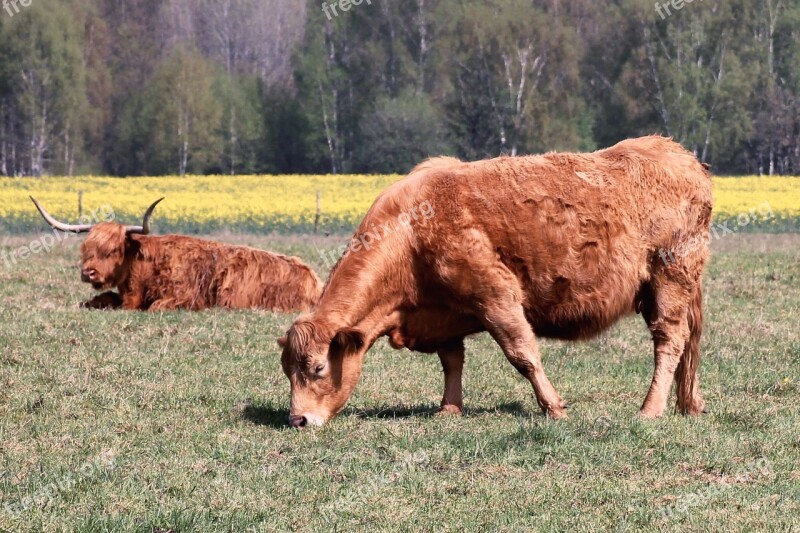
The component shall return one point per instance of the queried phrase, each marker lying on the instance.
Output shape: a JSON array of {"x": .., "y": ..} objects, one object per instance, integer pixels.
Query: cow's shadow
[
  {"x": 430, "y": 410},
  {"x": 267, "y": 415}
]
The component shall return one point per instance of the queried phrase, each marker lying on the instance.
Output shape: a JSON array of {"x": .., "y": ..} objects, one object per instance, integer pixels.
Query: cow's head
[
  {"x": 323, "y": 366},
  {"x": 104, "y": 252}
]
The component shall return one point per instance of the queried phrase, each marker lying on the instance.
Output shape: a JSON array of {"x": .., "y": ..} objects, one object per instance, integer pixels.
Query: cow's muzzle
[
  {"x": 89, "y": 275},
  {"x": 298, "y": 421}
]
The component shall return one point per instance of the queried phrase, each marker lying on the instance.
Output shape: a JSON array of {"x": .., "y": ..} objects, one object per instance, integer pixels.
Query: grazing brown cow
[
  {"x": 556, "y": 245},
  {"x": 178, "y": 272}
]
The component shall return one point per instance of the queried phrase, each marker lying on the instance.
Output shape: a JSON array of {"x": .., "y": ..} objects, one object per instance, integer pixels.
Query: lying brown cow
[
  {"x": 558, "y": 245},
  {"x": 177, "y": 272}
]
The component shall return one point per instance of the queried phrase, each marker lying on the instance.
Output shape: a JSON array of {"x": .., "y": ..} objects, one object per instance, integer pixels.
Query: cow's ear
[
  {"x": 282, "y": 342},
  {"x": 347, "y": 341}
]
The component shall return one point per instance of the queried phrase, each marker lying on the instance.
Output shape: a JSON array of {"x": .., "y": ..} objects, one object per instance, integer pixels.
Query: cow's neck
[{"x": 363, "y": 292}]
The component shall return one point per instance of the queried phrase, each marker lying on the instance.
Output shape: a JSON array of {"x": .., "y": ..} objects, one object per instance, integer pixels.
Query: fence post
[
  {"x": 319, "y": 212},
  {"x": 80, "y": 206}
]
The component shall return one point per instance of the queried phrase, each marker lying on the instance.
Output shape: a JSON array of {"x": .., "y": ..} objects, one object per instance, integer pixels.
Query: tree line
[{"x": 151, "y": 87}]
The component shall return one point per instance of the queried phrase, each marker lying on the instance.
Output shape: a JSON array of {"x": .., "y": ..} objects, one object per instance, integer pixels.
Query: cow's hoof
[
  {"x": 695, "y": 407},
  {"x": 555, "y": 410},
  {"x": 647, "y": 414},
  {"x": 449, "y": 410},
  {"x": 692, "y": 411},
  {"x": 556, "y": 413}
]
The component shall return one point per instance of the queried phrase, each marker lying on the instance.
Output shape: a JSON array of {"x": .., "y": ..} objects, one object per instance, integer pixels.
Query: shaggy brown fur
[
  {"x": 178, "y": 272},
  {"x": 557, "y": 245}
]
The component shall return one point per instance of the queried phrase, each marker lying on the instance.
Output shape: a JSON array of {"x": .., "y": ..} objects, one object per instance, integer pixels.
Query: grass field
[
  {"x": 288, "y": 204},
  {"x": 115, "y": 421}
]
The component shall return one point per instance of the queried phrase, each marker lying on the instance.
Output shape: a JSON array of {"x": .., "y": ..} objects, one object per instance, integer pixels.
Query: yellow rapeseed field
[
  {"x": 734, "y": 196},
  {"x": 202, "y": 203}
]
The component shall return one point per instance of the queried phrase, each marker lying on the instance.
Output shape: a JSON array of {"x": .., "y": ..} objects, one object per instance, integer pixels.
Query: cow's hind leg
[
  {"x": 452, "y": 358},
  {"x": 667, "y": 314},
  {"x": 690, "y": 400}
]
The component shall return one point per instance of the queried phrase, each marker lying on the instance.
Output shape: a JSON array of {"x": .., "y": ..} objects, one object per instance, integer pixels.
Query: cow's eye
[{"x": 318, "y": 369}]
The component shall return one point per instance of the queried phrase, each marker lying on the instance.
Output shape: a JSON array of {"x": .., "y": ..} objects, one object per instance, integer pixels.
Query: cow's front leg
[
  {"x": 497, "y": 297},
  {"x": 515, "y": 336},
  {"x": 107, "y": 300},
  {"x": 452, "y": 359},
  {"x": 132, "y": 301}
]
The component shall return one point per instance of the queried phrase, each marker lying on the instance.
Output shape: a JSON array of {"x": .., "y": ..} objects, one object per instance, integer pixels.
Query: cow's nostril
[{"x": 297, "y": 421}]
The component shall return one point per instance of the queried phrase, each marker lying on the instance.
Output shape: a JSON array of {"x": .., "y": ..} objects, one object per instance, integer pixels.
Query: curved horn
[
  {"x": 144, "y": 229},
  {"x": 73, "y": 228}
]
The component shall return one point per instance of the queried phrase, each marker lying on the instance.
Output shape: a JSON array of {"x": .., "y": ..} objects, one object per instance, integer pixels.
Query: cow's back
[
  {"x": 250, "y": 278},
  {"x": 581, "y": 233},
  {"x": 181, "y": 272}
]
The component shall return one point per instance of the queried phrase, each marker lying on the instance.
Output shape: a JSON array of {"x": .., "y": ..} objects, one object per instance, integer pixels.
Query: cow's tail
[{"x": 690, "y": 400}]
